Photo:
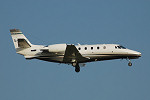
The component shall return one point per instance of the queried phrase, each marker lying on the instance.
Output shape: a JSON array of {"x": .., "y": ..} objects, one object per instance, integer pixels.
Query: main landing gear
[{"x": 77, "y": 67}]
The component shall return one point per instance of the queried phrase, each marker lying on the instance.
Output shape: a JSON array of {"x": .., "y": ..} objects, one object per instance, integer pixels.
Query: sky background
[{"x": 125, "y": 22}]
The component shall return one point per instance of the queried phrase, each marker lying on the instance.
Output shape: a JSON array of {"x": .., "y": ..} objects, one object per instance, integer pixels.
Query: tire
[
  {"x": 129, "y": 64},
  {"x": 77, "y": 69}
]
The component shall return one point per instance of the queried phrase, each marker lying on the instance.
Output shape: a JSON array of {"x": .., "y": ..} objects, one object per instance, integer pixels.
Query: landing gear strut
[
  {"x": 77, "y": 67},
  {"x": 129, "y": 64}
]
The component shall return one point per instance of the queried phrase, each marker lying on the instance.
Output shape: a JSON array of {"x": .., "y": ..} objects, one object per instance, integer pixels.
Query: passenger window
[
  {"x": 104, "y": 47},
  {"x": 97, "y": 47},
  {"x": 85, "y": 48},
  {"x": 91, "y": 48},
  {"x": 79, "y": 48}
]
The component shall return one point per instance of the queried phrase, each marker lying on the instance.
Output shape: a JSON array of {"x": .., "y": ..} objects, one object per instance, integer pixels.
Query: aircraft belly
[
  {"x": 58, "y": 59},
  {"x": 91, "y": 57},
  {"x": 99, "y": 57},
  {"x": 52, "y": 59}
]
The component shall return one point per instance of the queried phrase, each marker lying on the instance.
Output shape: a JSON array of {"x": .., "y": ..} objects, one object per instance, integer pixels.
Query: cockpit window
[{"x": 120, "y": 47}]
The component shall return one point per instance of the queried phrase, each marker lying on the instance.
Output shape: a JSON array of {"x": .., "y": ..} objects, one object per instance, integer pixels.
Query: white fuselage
[{"x": 96, "y": 52}]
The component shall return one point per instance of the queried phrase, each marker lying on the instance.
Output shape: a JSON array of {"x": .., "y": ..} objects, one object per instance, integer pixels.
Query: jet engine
[{"x": 57, "y": 48}]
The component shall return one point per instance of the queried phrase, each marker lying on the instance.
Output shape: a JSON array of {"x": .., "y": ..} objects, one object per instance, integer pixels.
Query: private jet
[{"x": 75, "y": 55}]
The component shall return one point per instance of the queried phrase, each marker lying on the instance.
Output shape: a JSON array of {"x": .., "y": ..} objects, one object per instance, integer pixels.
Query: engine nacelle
[{"x": 57, "y": 48}]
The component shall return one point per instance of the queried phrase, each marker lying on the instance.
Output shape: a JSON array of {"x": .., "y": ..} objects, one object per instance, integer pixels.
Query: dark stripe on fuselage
[{"x": 93, "y": 57}]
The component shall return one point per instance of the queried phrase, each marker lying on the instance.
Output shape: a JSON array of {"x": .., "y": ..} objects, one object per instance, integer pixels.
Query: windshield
[{"x": 120, "y": 47}]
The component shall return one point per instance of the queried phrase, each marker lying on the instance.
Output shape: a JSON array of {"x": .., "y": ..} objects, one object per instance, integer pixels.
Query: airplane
[{"x": 75, "y": 55}]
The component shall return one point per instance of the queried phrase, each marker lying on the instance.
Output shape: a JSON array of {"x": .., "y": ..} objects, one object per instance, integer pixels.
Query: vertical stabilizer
[{"x": 19, "y": 40}]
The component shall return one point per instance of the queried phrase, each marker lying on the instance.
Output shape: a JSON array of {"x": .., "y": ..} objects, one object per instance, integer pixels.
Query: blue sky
[{"x": 125, "y": 22}]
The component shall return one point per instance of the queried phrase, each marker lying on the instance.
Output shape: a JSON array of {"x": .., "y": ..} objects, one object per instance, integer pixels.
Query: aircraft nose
[
  {"x": 138, "y": 54},
  {"x": 134, "y": 53}
]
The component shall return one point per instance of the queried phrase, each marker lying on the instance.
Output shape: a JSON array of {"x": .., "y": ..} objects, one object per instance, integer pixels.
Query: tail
[{"x": 19, "y": 40}]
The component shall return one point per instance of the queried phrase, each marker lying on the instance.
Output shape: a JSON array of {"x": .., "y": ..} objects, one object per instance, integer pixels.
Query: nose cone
[
  {"x": 138, "y": 54},
  {"x": 134, "y": 53}
]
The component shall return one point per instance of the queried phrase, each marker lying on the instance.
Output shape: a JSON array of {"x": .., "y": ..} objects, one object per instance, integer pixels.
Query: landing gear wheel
[
  {"x": 129, "y": 64},
  {"x": 77, "y": 69}
]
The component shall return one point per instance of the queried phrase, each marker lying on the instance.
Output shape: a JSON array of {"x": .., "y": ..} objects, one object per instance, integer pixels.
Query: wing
[{"x": 73, "y": 55}]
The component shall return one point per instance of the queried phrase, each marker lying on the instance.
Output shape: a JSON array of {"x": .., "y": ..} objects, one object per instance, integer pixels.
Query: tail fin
[{"x": 20, "y": 41}]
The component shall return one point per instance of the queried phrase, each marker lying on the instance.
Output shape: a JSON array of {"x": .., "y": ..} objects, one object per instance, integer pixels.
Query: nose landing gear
[{"x": 130, "y": 63}]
